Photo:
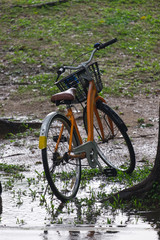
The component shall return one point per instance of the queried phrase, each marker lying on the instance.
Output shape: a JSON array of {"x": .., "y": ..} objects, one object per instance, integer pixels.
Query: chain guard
[{"x": 90, "y": 149}]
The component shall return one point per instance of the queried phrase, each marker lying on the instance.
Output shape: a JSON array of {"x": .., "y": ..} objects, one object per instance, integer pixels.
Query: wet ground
[
  {"x": 28, "y": 208},
  {"x": 69, "y": 233},
  {"x": 26, "y": 214}
]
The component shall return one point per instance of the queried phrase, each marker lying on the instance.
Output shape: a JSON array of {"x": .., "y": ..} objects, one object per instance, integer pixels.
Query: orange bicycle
[{"x": 107, "y": 147}]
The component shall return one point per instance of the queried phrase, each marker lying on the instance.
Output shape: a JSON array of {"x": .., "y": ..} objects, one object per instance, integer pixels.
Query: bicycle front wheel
[
  {"x": 63, "y": 173},
  {"x": 114, "y": 145}
]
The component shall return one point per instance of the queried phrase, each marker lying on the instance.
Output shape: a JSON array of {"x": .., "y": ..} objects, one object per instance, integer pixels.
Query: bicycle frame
[
  {"x": 92, "y": 97},
  {"x": 84, "y": 149},
  {"x": 73, "y": 125},
  {"x": 90, "y": 147},
  {"x": 90, "y": 111}
]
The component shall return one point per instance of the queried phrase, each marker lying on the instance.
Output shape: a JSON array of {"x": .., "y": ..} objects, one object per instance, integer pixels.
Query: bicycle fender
[{"x": 44, "y": 129}]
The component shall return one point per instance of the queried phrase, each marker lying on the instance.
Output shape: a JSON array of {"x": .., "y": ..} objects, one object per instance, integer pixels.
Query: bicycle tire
[
  {"x": 62, "y": 174},
  {"x": 116, "y": 149}
]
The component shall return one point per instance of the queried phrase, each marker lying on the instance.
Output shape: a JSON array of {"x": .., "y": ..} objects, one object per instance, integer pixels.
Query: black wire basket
[{"x": 77, "y": 80}]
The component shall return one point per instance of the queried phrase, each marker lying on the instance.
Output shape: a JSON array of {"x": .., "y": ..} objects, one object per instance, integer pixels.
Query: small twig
[
  {"x": 14, "y": 155},
  {"x": 49, "y": 4},
  {"x": 143, "y": 136},
  {"x": 46, "y": 189}
]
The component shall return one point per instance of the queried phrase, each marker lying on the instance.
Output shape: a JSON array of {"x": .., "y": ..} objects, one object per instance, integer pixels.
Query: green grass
[
  {"x": 11, "y": 168},
  {"x": 36, "y": 41}
]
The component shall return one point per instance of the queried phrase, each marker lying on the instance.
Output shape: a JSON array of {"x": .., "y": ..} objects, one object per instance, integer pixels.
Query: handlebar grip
[
  {"x": 103, "y": 45},
  {"x": 60, "y": 70}
]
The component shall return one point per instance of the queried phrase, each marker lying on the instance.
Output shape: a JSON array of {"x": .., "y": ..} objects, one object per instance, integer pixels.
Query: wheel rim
[
  {"x": 115, "y": 146},
  {"x": 64, "y": 173}
]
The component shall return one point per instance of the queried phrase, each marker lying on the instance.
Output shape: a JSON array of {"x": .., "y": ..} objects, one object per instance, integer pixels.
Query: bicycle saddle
[{"x": 64, "y": 97}]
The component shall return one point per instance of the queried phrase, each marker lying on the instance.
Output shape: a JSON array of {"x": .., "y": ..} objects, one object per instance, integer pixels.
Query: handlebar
[
  {"x": 97, "y": 47},
  {"x": 103, "y": 45}
]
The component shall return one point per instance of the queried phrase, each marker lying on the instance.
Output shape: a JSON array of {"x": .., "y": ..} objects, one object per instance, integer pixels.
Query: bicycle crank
[{"x": 90, "y": 149}]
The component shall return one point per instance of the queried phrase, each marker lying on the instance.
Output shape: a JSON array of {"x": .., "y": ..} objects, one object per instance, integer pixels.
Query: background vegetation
[{"x": 35, "y": 41}]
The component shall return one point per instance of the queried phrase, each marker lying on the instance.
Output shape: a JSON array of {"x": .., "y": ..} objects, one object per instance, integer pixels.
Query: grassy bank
[{"x": 35, "y": 41}]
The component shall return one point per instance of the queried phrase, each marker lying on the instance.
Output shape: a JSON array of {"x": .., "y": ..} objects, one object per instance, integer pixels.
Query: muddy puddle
[{"x": 30, "y": 211}]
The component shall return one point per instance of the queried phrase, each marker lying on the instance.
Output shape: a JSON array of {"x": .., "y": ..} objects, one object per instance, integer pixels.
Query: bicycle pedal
[{"x": 110, "y": 172}]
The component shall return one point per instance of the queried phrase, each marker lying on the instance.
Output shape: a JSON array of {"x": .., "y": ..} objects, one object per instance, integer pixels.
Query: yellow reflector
[{"x": 42, "y": 142}]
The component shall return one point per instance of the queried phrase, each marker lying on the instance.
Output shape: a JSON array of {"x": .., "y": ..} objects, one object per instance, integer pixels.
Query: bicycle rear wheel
[
  {"x": 63, "y": 174},
  {"x": 115, "y": 147}
]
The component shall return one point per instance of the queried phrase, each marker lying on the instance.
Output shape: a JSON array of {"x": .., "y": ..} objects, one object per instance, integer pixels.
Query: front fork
[
  {"x": 91, "y": 110},
  {"x": 99, "y": 120}
]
